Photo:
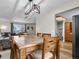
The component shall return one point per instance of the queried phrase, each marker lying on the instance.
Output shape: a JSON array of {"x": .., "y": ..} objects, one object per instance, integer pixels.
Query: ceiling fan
[
  {"x": 29, "y": 2},
  {"x": 34, "y": 7}
]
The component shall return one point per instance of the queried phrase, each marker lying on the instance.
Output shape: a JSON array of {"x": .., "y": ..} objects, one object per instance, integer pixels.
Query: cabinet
[{"x": 68, "y": 31}]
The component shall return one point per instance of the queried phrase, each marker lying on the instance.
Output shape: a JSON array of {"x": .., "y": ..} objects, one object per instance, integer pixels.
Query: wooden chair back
[
  {"x": 56, "y": 49},
  {"x": 39, "y": 34},
  {"x": 46, "y": 35},
  {"x": 51, "y": 44}
]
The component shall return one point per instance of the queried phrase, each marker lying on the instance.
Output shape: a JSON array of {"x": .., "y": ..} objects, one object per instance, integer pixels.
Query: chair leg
[
  {"x": 53, "y": 53},
  {"x": 31, "y": 57},
  {"x": 53, "y": 56},
  {"x": 0, "y": 56},
  {"x": 12, "y": 54}
]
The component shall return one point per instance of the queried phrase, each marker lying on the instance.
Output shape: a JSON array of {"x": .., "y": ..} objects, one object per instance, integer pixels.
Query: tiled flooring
[
  {"x": 65, "y": 51},
  {"x": 5, "y": 54}
]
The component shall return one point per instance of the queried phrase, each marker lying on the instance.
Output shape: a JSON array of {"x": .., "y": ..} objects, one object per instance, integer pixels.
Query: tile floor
[{"x": 66, "y": 50}]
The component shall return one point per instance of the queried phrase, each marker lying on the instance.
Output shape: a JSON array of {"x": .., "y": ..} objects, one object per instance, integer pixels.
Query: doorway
[{"x": 60, "y": 29}]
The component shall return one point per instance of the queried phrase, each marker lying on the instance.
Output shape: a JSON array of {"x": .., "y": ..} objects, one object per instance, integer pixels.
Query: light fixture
[
  {"x": 3, "y": 27},
  {"x": 60, "y": 18},
  {"x": 33, "y": 8}
]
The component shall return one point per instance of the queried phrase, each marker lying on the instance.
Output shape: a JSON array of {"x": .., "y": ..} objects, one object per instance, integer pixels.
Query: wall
[
  {"x": 68, "y": 14},
  {"x": 46, "y": 23},
  {"x": 7, "y": 24},
  {"x": 68, "y": 6}
]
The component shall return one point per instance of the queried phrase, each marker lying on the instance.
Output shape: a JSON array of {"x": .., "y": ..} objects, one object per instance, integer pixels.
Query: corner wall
[{"x": 46, "y": 23}]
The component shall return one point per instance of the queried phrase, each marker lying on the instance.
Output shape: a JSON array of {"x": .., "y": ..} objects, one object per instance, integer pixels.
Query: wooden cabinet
[{"x": 68, "y": 31}]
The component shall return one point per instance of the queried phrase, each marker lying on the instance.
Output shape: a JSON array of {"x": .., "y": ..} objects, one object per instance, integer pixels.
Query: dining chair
[
  {"x": 39, "y": 34},
  {"x": 50, "y": 49},
  {"x": 56, "y": 49},
  {"x": 45, "y": 35},
  {"x": 33, "y": 48}
]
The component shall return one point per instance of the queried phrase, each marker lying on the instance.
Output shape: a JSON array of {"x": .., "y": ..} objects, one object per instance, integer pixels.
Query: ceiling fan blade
[
  {"x": 29, "y": 2},
  {"x": 28, "y": 12},
  {"x": 40, "y": 2},
  {"x": 26, "y": 5},
  {"x": 23, "y": 8},
  {"x": 29, "y": 16}
]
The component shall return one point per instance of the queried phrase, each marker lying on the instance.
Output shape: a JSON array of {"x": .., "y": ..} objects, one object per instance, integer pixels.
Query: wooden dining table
[{"x": 22, "y": 44}]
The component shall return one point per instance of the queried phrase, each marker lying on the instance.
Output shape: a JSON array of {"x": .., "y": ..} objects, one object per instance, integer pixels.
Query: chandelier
[{"x": 33, "y": 8}]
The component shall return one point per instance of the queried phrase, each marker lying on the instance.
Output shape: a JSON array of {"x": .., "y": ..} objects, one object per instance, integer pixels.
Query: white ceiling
[{"x": 12, "y": 8}]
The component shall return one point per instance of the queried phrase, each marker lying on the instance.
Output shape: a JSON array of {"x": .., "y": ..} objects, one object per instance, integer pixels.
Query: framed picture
[{"x": 31, "y": 28}]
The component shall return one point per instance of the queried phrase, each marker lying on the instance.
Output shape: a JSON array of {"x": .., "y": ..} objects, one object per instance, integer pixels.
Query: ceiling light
[{"x": 60, "y": 18}]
